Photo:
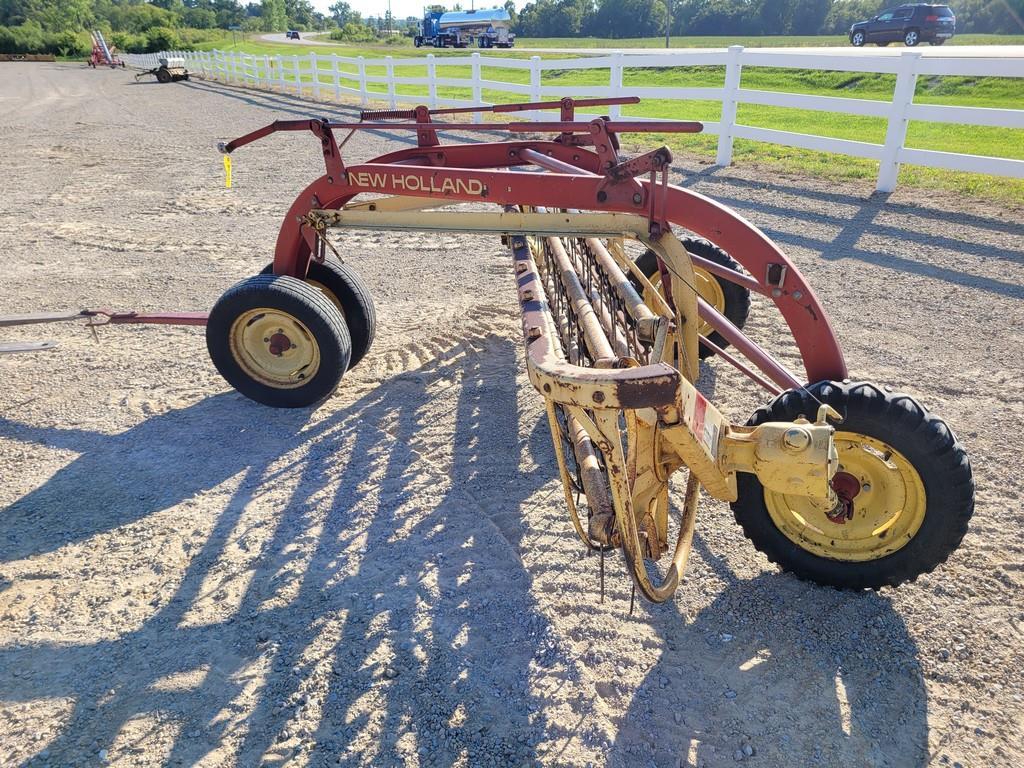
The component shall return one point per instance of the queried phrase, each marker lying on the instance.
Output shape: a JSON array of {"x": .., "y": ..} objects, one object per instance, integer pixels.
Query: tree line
[
  {"x": 61, "y": 26},
  {"x": 135, "y": 26},
  {"x": 649, "y": 18}
]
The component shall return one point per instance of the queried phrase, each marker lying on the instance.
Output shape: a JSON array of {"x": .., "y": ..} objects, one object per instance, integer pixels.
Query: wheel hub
[
  {"x": 275, "y": 348},
  {"x": 279, "y": 342},
  {"x": 881, "y": 504}
]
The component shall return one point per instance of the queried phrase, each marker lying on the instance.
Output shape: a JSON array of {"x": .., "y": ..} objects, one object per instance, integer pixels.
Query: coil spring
[{"x": 387, "y": 114}]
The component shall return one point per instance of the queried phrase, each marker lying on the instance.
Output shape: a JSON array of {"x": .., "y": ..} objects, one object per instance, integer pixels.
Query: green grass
[{"x": 955, "y": 91}]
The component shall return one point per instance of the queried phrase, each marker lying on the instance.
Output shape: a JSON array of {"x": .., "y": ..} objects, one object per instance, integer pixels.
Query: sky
[{"x": 403, "y": 8}]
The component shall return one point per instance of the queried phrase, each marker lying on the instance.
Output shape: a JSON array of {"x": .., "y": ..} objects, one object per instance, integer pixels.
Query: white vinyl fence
[{"x": 330, "y": 76}]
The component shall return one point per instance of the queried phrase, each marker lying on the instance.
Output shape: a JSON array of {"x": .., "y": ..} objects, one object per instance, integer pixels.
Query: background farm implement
[{"x": 625, "y": 283}]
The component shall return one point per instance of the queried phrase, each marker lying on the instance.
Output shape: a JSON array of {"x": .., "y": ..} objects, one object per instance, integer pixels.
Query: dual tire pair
[{"x": 286, "y": 342}]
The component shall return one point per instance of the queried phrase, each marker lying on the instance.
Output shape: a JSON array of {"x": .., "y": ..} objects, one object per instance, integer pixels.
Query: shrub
[
  {"x": 163, "y": 39},
  {"x": 130, "y": 43},
  {"x": 25, "y": 38},
  {"x": 72, "y": 44}
]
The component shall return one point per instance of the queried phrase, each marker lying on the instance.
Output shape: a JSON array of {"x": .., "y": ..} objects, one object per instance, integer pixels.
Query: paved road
[{"x": 945, "y": 51}]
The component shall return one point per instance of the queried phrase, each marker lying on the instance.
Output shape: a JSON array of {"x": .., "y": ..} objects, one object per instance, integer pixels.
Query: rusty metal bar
[
  {"x": 731, "y": 275},
  {"x": 633, "y": 301},
  {"x": 552, "y": 164},
  {"x": 771, "y": 367},
  {"x": 739, "y": 366},
  {"x": 597, "y": 342}
]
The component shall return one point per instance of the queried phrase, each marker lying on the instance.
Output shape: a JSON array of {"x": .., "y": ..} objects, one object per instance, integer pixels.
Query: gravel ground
[{"x": 187, "y": 577}]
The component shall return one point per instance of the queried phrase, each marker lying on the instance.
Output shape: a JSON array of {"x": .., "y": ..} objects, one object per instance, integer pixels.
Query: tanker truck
[{"x": 460, "y": 29}]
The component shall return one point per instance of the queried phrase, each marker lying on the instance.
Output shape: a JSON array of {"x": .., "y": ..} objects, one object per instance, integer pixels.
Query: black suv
[{"x": 909, "y": 23}]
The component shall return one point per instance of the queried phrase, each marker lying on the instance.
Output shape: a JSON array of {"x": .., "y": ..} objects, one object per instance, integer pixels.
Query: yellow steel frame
[{"x": 647, "y": 421}]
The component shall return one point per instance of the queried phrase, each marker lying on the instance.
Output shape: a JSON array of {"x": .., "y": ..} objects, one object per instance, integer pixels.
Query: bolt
[
  {"x": 599, "y": 397},
  {"x": 866, "y": 487},
  {"x": 602, "y": 196},
  {"x": 294, "y": 346},
  {"x": 266, "y": 340},
  {"x": 796, "y": 439},
  {"x": 798, "y": 295},
  {"x": 776, "y": 293},
  {"x": 638, "y": 198}
]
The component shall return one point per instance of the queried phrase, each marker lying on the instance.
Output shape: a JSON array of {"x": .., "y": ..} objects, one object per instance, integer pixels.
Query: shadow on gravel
[
  {"x": 861, "y": 221},
  {"x": 334, "y": 651},
  {"x": 794, "y": 674}
]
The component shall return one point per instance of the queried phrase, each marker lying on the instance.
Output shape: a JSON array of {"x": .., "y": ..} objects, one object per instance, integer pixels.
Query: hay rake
[
  {"x": 840, "y": 482},
  {"x": 613, "y": 345}
]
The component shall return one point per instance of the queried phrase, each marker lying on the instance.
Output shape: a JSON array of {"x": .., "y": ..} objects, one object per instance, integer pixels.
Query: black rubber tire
[
  {"x": 354, "y": 297},
  {"x": 923, "y": 439},
  {"x": 305, "y": 303},
  {"x": 163, "y": 76},
  {"x": 737, "y": 298},
  {"x": 907, "y": 38},
  {"x": 854, "y": 38}
]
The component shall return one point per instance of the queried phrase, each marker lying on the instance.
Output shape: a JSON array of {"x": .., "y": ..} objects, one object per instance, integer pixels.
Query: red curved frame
[{"x": 459, "y": 167}]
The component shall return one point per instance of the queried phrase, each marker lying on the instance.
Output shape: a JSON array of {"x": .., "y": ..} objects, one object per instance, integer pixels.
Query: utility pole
[
  {"x": 668, "y": 21},
  {"x": 389, "y": 18}
]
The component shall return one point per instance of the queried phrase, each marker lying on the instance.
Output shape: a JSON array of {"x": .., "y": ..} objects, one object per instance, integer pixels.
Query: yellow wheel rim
[
  {"x": 708, "y": 288},
  {"x": 888, "y": 507},
  {"x": 274, "y": 348},
  {"x": 327, "y": 292}
]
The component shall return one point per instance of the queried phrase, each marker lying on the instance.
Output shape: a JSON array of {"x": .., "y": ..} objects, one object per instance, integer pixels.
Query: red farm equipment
[
  {"x": 625, "y": 283},
  {"x": 103, "y": 55}
]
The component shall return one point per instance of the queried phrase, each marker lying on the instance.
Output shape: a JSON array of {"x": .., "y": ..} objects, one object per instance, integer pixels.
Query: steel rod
[
  {"x": 593, "y": 334},
  {"x": 739, "y": 366},
  {"x": 768, "y": 365}
]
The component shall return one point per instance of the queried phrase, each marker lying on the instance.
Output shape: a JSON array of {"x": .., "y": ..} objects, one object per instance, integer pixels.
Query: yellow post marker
[{"x": 227, "y": 171}]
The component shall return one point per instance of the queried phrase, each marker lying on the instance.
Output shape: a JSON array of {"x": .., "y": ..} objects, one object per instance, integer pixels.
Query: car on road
[
  {"x": 910, "y": 24},
  {"x": 292, "y": 34}
]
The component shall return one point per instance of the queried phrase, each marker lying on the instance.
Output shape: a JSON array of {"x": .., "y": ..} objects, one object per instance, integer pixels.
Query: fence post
[
  {"x": 314, "y": 68},
  {"x": 478, "y": 93},
  {"x": 896, "y": 132},
  {"x": 337, "y": 77},
  {"x": 615, "y": 84},
  {"x": 432, "y": 77},
  {"x": 295, "y": 74},
  {"x": 535, "y": 85},
  {"x": 268, "y": 79},
  {"x": 727, "y": 125},
  {"x": 391, "y": 80},
  {"x": 364, "y": 98}
]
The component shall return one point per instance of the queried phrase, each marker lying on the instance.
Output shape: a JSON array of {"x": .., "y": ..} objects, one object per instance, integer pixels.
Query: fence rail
[{"x": 338, "y": 77}]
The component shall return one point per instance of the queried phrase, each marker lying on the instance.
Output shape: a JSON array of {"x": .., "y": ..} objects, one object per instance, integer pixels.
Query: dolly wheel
[
  {"x": 278, "y": 341},
  {"x": 730, "y": 299},
  {"x": 163, "y": 76},
  {"x": 347, "y": 291},
  {"x": 904, "y": 483}
]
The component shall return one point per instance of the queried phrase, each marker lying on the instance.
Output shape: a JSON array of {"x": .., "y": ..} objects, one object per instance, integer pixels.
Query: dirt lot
[{"x": 187, "y": 577}]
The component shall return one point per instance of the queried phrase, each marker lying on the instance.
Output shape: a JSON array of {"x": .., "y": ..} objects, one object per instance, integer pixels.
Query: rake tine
[
  {"x": 602, "y": 574},
  {"x": 632, "y": 598}
]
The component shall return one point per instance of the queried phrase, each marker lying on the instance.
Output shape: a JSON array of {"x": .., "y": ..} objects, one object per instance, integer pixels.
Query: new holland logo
[{"x": 411, "y": 182}]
